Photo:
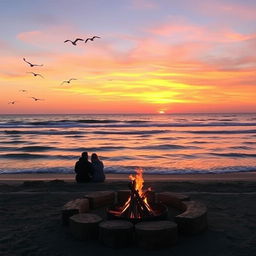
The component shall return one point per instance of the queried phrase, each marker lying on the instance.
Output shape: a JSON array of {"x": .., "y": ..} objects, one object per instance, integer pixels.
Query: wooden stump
[
  {"x": 84, "y": 226},
  {"x": 74, "y": 207},
  {"x": 194, "y": 219},
  {"x": 100, "y": 198},
  {"x": 172, "y": 199},
  {"x": 156, "y": 234},
  {"x": 116, "y": 233}
]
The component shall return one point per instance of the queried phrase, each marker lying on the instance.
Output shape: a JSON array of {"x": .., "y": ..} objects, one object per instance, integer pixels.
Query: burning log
[{"x": 137, "y": 207}]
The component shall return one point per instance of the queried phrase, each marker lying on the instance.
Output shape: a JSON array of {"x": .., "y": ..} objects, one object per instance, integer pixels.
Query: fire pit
[
  {"x": 138, "y": 207},
  {"x": 134, "y": 217}
]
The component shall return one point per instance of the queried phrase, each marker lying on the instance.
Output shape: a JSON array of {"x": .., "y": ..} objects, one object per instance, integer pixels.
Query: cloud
[
  {"x": 228, "y": 9},
  {"x": 185, "y": 31}
]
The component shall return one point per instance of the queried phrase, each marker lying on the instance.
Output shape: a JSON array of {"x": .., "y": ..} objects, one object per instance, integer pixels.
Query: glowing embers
[{"x": 140, "y": 204}]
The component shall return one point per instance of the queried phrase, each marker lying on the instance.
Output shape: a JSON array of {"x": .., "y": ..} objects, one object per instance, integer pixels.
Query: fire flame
[{"x": 139, "y": 181}]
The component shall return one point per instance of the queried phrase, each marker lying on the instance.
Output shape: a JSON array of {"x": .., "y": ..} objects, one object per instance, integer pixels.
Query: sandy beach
[{"x": 31, "y": 205}]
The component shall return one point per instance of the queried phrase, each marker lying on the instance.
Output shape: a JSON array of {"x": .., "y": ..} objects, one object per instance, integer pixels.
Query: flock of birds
[
  {"x": 80, "y": 39},
  {"x": 40, "y": 65}
]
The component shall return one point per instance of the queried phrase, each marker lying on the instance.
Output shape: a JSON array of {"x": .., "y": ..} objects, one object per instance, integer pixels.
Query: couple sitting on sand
[{"x": 89, "y": 171}]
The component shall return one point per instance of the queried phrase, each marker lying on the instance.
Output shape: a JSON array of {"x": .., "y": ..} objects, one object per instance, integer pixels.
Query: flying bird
[
  {"x": 23, "y": 90},
  {"x": 36, "y": 99},
  {"x": 12, "y": 102},
  {"x": 35, "y": 74},
  {"x": 68, "y": 81},
  {"x": 75, "y": 41},
  {"x": 32, "y": 65},
  {"x": 90, "y": 38}
]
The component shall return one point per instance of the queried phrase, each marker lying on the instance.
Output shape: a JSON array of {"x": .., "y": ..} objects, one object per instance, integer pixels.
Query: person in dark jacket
[
  {"x": 98, "y": 169},
  {"x": 83, "y": 169}
]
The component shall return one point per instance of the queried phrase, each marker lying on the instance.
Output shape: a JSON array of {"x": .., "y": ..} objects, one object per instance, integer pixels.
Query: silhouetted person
[
  {"x": 83, "y": 169},
  {"x": 98, "y": 169}
]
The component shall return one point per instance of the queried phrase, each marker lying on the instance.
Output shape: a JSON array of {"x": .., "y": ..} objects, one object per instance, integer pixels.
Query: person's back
[
  {"x": 98, "y": 169},
  {"x": 83, "y": 169}
]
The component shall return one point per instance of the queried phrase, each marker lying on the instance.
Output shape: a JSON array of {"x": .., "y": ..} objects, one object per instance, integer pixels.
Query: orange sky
[{"x": 177, "y": 63}]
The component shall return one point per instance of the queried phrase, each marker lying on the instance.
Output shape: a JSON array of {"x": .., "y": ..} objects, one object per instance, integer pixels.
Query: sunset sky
[{"x": 174, "y": 56}]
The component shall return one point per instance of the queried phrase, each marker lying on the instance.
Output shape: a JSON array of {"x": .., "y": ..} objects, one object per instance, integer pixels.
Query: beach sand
[{"x": 30, "y": 212}]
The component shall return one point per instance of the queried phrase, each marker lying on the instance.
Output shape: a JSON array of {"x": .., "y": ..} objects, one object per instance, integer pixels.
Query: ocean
[{"x": 159, "y": 144}]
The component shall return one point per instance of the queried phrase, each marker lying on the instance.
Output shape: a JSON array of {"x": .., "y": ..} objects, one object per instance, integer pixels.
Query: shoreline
[{"x": 239, "y": 176}]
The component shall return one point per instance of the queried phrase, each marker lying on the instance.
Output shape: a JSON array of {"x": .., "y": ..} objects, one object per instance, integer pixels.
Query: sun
[{"x": 161, "y": 112}]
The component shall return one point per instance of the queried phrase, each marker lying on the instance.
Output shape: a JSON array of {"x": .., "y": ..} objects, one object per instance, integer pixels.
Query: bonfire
[{"x": 137, "y": 207}]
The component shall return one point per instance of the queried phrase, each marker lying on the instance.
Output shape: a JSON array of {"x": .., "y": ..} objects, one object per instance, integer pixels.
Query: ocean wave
[
  {"x": 26, "y": 156},
  {"x": 42, "y": 132},
  {"x": 124, "y": 124},
  {"x": 166, "y": 147},
  {"x": 131, "y": 170},
  {"x": 233, "y": 154},
  {"x": 142, "y": 132},
  {"x": 241, "y": 147},
  {"x": 94, "y": 149},
  {"x": 36, "y": 148},
  {"x": 13, "y": 142},
  {"x": 223, "y": 132}
]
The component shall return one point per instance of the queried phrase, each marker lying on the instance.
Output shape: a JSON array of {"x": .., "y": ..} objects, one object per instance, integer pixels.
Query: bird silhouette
[
  {"x": 12, "y": 102},
  {"x": 23, "y": 90},
  {"x": 36, "y": 99},
  {"x": 68, "y": 81},
  {"x": 32, "y": 65},
  {"x": 35, "y": 74},
  {"x": 90, "y": 38},
  {"x": 75, "y": 41}
]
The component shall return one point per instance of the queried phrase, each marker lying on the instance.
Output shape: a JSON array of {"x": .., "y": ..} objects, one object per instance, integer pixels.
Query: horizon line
[{"x": 174, "y": 113}]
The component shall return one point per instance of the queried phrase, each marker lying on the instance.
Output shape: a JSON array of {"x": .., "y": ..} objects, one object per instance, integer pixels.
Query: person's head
[
  {"x": 85, "y": 155},
  {"x": 94, "y": 157}
]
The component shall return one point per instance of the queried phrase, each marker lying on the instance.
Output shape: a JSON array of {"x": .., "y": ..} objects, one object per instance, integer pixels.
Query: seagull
[
  {"x": 91, "y": 38},
  {"x": 36, "y": 99},
  {"x": 32, "y": 65},
  {"x": 23, "y": 90},
  {"x": 35, "y": 74},
  {"x": 75, "y": 41},
  {"x": 68, "y": 81},
  {"x": 12, "y": 102}
]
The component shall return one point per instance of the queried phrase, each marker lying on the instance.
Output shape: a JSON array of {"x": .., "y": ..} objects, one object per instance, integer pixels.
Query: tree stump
[
  {"x": 116, "y": 233},
  {"x": 172, "y": 199},
  {"x": 84, "y": 226},
  {"x": 194, "y": 219},
  {"x": 156, "y": 234},
  {"x": 100, "y": 198},
  {"x": 74, "y": 207}
]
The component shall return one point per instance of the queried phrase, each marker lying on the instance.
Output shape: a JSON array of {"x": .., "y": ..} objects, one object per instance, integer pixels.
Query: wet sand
[{"x": 30, "y": 214}]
